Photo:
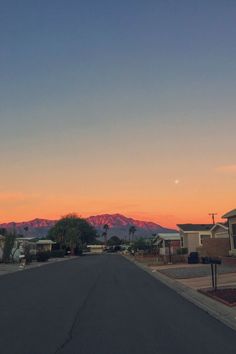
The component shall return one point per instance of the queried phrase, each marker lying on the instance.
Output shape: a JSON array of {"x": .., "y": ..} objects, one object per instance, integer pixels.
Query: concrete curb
[
  {"x": 222, "y": 313},
  {"x": 37, "y": 265}
]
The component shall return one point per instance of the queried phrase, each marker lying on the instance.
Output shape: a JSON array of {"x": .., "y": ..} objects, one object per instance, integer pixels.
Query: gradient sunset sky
[{"x": 118, "y": 106}]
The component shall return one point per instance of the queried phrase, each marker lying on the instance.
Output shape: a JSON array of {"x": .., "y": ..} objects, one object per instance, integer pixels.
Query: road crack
[{"x": 75, "y": 321}]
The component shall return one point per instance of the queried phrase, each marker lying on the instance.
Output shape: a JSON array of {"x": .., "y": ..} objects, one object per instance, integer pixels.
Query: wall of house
[
  {"x": 174, "y": 245},
  {"x": 232, "y": 221},
  {"x": 44, "y": 247},
  {"x": 220, "y": 232},
  {"x": 182, "y": 239},
  {"x": 214, "y": 247},
  {"x": 191, "y": 241}
]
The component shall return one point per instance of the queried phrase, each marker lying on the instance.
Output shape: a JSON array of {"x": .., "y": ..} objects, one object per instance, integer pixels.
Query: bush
[
  {"x": 28, "y": 258},
  {"x": 43, "y": 256},
  {"x": 78, "y": 251},
  {"x": 182, "y": 250},
  {"x": 57, "y": 254}
]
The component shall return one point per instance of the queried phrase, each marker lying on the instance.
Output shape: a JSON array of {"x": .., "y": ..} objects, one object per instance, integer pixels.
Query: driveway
[{"x": 196, "y": 271}]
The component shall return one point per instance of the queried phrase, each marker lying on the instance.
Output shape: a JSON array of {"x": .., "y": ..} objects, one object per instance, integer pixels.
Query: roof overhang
[{"x": 230, "y": 214}]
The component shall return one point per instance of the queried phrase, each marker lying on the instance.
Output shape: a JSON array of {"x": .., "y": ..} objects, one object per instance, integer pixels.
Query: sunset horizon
[
  {"x": 163, "y": 221},
  {"x": 118, "y": 107}
]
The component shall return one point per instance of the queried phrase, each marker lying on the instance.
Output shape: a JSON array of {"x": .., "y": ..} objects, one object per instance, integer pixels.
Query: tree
[
  {"x": 105, "y": 232},
  {"x": 72, "y": 232},
  {"x": 3, "y": 231},
  {"x": 8, "y": 247},
  {"x": 114, "y": 241},
  {"x": 139, "y": 244},
  {"x": 26, "y": 229},
  {"x": 132, "y": 231}
]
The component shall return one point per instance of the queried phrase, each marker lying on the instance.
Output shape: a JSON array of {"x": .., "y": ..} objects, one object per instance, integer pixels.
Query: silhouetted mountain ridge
[{"x": 118, "y": 225}]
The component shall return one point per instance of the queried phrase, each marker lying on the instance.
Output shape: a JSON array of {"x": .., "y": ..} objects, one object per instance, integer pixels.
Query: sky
[{"x": 118, "y": 106}]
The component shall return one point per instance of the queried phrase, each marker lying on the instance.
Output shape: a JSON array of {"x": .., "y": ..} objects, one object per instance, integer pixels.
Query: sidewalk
[
  {"x": 187, "y": 289},
  {"x": 16, "y": 267}
]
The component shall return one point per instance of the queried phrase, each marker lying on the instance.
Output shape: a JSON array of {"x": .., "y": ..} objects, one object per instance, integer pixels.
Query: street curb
[
  {"x": 39, "y": 265},
  {"x": 217, "y": 310}
]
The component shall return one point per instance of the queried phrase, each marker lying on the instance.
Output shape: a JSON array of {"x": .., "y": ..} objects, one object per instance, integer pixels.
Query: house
[
  {"x": 167, "y": 243},
  {"x": 192, "y": 235},
  {"x": 20, "y": 244},
  {"x": 220, "y": 230},
  {"x": 203, "y": 237},
  {"x": 231, "y": 217},
  {"x": 44, "y": 245},
  {"x": 96, "y": 248}
]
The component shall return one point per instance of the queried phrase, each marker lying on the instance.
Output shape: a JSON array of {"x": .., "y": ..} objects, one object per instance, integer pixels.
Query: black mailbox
[{"x": 214, "y": 260}]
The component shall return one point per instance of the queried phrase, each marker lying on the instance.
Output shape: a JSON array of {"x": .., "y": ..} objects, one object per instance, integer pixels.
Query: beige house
[
  {"x": 96, "y": 248},
  {"x": 44, "y": 245},
  {"x": 167, "y": 243},
  {"x": 231, "y": 217},
  {"x": 220, "y": 230},
  {"x": 193, "y": 235}
]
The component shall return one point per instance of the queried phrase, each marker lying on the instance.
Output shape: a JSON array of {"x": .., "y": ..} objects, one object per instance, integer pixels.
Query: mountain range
[{"x": 118, "y": 225}]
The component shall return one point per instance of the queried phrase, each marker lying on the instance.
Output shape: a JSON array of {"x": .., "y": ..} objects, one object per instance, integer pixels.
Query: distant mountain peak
[{"x": 118, "y": 225}]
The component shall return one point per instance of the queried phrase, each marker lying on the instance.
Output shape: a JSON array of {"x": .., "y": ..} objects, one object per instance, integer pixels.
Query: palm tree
[
  {"x": 26, "y": 229},
  {"x": 132, "y": 231},
  {"x": 105, "y": 232}
]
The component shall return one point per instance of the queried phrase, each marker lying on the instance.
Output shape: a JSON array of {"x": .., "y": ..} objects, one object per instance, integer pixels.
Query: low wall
[{"x": 214, "y": 247}]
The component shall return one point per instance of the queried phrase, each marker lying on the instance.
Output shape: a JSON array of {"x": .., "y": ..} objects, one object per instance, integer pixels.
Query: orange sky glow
[{"x": 129, "y": 108}]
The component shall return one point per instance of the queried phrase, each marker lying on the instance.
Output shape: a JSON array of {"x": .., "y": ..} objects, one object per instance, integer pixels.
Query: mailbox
[{"x": 214, "y": 260}]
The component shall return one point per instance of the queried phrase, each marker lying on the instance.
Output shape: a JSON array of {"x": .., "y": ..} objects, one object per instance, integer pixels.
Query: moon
[{"x": 176, "y": 181}]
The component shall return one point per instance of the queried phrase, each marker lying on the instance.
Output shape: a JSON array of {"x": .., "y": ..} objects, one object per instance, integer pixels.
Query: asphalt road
[{"x": 102, "y": 305}]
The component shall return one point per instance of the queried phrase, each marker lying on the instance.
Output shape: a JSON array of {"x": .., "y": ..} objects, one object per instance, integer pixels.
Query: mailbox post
[{"x": 214, "y": 262}]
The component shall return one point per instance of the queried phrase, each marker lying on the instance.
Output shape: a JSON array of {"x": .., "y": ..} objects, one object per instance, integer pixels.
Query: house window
[
  {"x": 234, "y": 235},
  {"x": 203, "y": 237}
]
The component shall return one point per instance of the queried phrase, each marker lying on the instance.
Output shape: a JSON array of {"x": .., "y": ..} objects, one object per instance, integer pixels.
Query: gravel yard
[{"x": 196, "y": 272}]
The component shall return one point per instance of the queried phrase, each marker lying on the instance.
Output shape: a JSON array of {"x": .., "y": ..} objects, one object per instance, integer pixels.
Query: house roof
[
  {"x": 45, "y": 242},
  {"x": 230, "y": 214},
  {"x": 169, "y": 236},
  {"x": 25, "y": 238},
  {"x": 195, "y": 227},
  {"x": 95, "y": 246},
  {"x": 220, "y": 224},
  {"x": 157, "y": 242}
]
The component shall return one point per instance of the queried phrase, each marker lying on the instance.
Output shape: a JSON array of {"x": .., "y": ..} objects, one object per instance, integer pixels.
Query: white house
[
  {"x": 167, "y": 242},
  {"x": 231, "y": 217},
  {"x": 192, "y": 235}
]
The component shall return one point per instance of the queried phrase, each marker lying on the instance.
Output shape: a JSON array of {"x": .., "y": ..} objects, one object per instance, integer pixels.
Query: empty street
[{"x": 102, "y": 304}]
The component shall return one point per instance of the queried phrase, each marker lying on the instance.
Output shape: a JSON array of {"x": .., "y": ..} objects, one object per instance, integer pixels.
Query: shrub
[
  {"x": 43, "y": 256},
  {"x": 78, "y": 251},
  {"x": 57, "y": 254},
  {"x": 182, "y": 250}
]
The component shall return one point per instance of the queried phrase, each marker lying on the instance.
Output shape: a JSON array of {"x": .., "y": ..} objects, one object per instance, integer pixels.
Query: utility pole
[{"x": 213, "y": 217}]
